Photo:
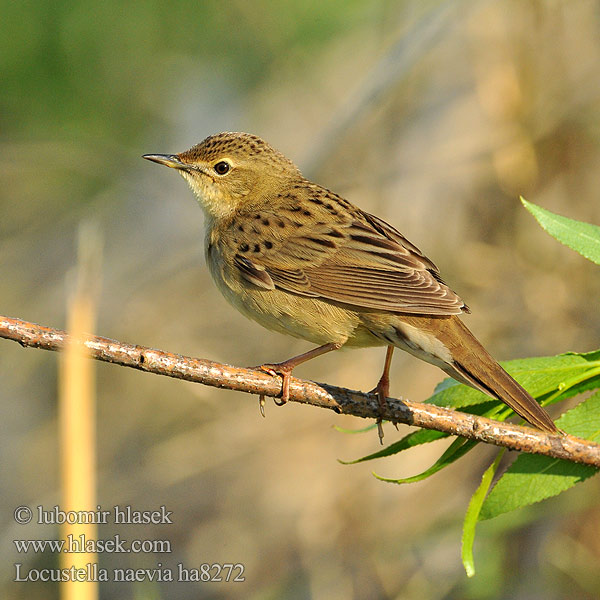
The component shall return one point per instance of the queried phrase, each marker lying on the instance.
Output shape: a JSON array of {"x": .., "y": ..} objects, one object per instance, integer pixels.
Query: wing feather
[{"x": 355, "y": 259}]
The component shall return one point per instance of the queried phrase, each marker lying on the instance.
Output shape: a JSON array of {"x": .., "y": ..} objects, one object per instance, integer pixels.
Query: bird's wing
[{"x": 351, "y": 257}]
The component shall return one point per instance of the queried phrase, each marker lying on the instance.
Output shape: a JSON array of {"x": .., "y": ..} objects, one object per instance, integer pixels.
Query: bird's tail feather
[
  {"x": 502, "y": 386},
  {"x": 477, "y": 368}
]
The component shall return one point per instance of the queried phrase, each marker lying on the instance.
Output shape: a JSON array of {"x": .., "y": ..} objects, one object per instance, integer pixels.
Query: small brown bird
[{"x": 299, "y": 259}]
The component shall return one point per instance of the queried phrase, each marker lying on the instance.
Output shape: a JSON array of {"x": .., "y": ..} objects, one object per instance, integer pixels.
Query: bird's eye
[{"x": 222, "y": 167}]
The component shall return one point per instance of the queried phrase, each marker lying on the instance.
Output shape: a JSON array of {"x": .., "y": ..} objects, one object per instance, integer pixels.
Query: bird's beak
[{"x": 169, "y": 160}]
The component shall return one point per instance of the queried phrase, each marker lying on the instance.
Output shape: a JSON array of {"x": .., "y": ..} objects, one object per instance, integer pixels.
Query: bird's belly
[
  {"x": 311, "y": 319},
  {"x": 298, "y": 316}
]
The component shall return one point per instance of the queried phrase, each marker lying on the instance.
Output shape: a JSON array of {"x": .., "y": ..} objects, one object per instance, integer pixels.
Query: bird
[{"x": 302, "y": 260}]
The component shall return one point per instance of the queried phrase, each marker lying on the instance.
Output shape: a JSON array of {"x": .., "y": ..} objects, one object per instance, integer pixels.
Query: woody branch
[{"x": 341, "y": 400}]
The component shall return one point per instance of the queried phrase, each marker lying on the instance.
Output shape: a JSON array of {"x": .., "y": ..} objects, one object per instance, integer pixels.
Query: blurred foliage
[
  {"x": 92, "y": 70},
  {"x": 501, "y": 99}
]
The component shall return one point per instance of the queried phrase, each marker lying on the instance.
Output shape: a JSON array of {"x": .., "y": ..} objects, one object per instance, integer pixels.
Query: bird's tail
[{"x": 473, "y": 365}]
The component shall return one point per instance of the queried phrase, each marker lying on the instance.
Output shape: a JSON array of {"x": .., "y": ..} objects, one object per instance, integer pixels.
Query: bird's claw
[
  {"x": 285, "y": 373},
  {"x": 382, "y": 389},
  {"x": 267, "y": 369}
]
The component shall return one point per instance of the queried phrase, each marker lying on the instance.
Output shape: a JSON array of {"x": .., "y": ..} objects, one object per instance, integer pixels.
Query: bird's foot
[
  {"x": 284, "y": 370},
  {"x": 382, "y": 389}
]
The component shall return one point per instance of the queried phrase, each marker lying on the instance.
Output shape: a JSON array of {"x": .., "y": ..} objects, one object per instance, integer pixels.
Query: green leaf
[
  {"x": 457, "y": 449},
  {"x": 532, "y": 478},
  {"x": 551, "y": 378},
  {"x": 581, "y": 237},
  {"x": 416, "y": 438},
  {"x": 539, "y": 376},
  {"x": 472, "y": 516}
]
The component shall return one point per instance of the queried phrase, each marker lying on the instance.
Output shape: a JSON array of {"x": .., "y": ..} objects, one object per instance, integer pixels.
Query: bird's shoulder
[{"x": 300, "y": 209}]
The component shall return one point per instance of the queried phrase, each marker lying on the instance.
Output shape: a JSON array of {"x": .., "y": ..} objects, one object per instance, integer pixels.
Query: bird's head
[{"x": 227, "y": 171}]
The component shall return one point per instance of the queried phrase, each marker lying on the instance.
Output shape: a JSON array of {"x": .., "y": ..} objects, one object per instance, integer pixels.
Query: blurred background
[{"x": 434, "y": 115}]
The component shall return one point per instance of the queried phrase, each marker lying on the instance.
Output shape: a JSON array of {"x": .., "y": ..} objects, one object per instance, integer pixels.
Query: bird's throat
[{"x": 215, "y": 205}]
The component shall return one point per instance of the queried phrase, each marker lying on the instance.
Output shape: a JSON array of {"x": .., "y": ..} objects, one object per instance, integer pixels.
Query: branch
[{"x": 341, "y": 400}]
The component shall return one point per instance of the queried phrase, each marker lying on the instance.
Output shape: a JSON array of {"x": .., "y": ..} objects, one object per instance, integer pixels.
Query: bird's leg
[
  {"x": 285, "y": 368},
  {"x": 382, "y": 389}
]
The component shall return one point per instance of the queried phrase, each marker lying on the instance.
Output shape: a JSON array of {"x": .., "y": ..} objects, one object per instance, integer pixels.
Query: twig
[{"x": 341, "y": 400}]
